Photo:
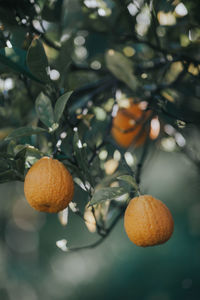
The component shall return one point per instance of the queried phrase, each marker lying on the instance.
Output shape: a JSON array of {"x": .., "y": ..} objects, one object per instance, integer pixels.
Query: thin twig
[{"x": 98, "y": 242}]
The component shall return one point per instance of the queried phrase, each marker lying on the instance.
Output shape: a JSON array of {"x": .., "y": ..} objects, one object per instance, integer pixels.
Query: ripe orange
[
  {"x": 129, "y": 125},
  {"x": 48, "y": 185},
  {"x": 148, "y": 221}
]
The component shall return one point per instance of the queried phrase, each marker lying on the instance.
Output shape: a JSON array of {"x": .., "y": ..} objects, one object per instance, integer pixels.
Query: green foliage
[
  {"x": 15, "y": 59},
  {"x": 44, "y": 110},
  {"x": 122, "y": 68},
  {"x": 37, "y": 61},
  {"x": 60, "y": 105}
]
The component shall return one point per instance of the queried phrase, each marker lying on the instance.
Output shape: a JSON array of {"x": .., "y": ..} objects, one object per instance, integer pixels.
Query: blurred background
[{"x": 106, "y": 51}]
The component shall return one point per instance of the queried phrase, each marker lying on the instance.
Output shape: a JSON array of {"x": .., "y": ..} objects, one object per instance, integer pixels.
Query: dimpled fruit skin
[
  {"x": 124, "y": 120},
  {"x": 48, "y": 186},
  {"x": 148, "y": 221}
]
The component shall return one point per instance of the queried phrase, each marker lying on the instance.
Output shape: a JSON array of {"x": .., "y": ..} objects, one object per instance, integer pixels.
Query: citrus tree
[{"x": 97, "y": 86}]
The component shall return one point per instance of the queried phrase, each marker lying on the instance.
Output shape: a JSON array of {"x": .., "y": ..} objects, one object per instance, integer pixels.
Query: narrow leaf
[
  {"x": 60, "y": 105},
  {"x": 37, "y": 60},
  {"x": 105, "y": 194},
  {"x": 44, "y": 110},
  {"x": 24, "y": 131}
]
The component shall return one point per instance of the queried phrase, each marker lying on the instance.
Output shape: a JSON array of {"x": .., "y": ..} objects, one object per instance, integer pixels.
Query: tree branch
[{"x": 98, "y": 242}]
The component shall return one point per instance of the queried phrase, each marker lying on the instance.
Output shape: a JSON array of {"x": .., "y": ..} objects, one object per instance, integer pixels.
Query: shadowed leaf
[
  {"x": 105, "y": 194},
  {"x": 44, "y": 110},
  {"x": 60, "y": 105},
  {"x": 37, "y": 60}
]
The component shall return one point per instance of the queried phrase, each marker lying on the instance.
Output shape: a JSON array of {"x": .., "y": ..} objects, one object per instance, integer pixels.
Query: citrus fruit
[
  {"x": 129, "y": 125},
  {"x": 48, "y": 185},
  {"x": 148, "y": 221}
]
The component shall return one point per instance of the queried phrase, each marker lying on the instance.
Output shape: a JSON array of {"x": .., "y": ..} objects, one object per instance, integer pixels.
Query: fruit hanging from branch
[
  {"x": 148, "y": 221},
  {"x": 48, "y": 186}
]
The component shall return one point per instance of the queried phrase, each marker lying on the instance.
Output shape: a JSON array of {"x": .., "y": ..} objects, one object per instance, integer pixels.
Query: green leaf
[
  {"x": 60, "y": 105},
  {"x": 4, "y": 145},
  {"x": 44, "y": 110},
  {"x": 4, "y": 165},
  {"x": 52, "y": 11},
  {"x": 121, "y": 67},
  {"x": 41, "y": 3},
  {"x": 8, "y": 175},
  {"x": 7, "y": 16},
  {"x": 37, "y": 60},
  {"x": 129, "y": 179},
  {"x": 80, "y": 151},
  {"x": 8, "y": 170},
  {"x": 24, "y": 131},
  {"x": 20, "y": 159},
  {"x": 105, "y": 194},
  {"x": 18, "y": 36},
  {"x": 15, "y": 59}
]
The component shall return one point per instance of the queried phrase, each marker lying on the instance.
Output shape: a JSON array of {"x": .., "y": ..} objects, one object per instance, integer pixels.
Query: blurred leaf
[
  {"x": 4, "y": 165},
  {"x": 41, "y": 3},
  {"x": 64, "y": 60},
  {"x": 4, "y": 145},
  {"x": 121, "y": 67},
  {"x": 8, "y": 175},
  {"x": 44, "y": 110},
  {"x": 37, "y": 60},
  {"x": 129, "y": 179},
  {"x": 8, "y": 170},
  {"x": 24, "y": 131},
  {"x": 109, "y": 193},
  {"x": 52, "y": 10},
  {"x": 60, "y": 105},
  {"x": 15, "y": 58},
  {"x": 7, "y": 16},
  {"x": 18, "y": 35}
]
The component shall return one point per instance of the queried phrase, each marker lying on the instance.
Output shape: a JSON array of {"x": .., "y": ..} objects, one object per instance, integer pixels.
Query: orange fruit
[
  {"x": 48, "y": 185},
  {"x": 129, "y": 125},
  {"x": 148, "y": 221}
]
